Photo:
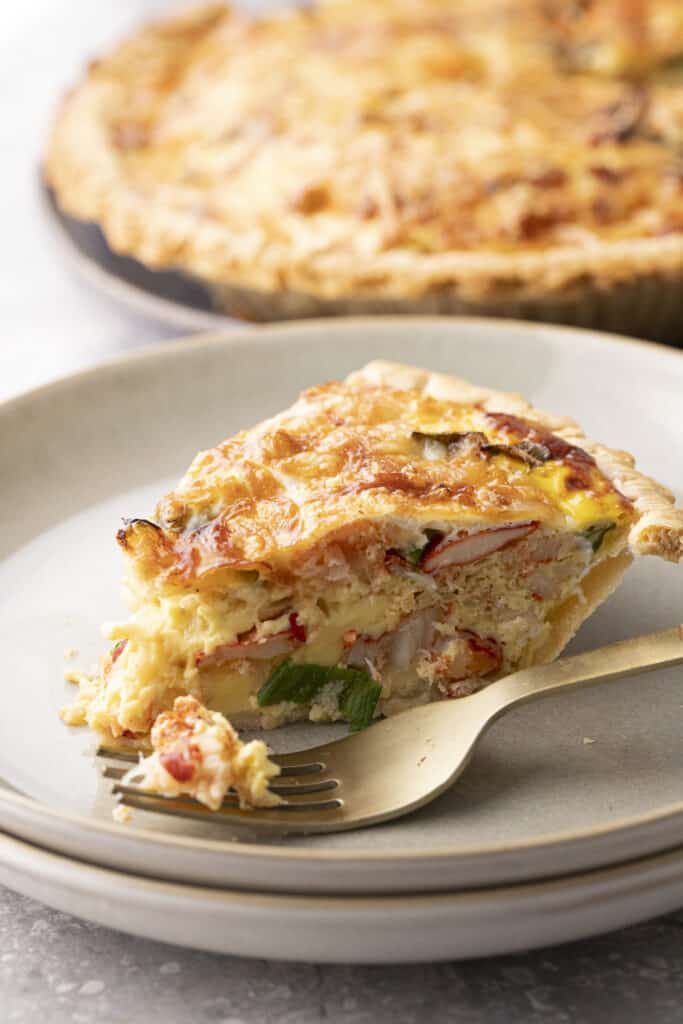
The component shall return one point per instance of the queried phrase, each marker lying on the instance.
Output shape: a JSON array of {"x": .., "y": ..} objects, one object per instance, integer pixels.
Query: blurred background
[
  {"x": 75, "y": 321},
  {"x": 53, "y": 322}
]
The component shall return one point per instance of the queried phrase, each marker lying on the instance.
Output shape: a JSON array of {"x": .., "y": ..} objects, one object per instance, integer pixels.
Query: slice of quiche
[{"x": 397, "y": 538}]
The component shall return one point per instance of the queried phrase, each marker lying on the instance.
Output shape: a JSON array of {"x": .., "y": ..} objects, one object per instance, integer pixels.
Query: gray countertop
[{"x": 56, "y": 968}]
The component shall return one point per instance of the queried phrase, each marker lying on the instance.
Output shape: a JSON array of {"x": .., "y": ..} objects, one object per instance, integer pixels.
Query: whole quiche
[{"x": 511, "y": 157}]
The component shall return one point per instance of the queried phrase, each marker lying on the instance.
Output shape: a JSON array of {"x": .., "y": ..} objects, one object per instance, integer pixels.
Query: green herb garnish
[
  {"x": 116, "y": 647},
  {"x": 415, "y": 554},
  {"x": 358, "y": 701},
  {"x": 300, "y": 683},
  {"x": 595, "y": 534}
]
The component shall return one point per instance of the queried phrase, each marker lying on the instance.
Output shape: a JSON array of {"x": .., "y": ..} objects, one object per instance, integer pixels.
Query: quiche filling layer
[{"x": 370, "y": 549}]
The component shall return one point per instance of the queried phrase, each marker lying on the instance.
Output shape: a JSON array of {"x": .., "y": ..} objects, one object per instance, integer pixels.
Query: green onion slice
[
  {"x": 301, "y": 683},
  {"x": 595, "y": 534}
]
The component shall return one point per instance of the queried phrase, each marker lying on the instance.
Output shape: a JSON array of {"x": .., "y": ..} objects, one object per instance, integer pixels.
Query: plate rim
[
  {"x": 255, "y": 333},
  {"x": 226, "y": 337},
  {"x": 249, "y": 852},
  {"x": 493, "y": 921}
]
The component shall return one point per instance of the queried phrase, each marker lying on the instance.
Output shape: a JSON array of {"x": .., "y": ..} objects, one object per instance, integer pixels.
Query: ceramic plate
[
  {"x": 379, "y": 929},
  {"x": 537, "y": 800}
]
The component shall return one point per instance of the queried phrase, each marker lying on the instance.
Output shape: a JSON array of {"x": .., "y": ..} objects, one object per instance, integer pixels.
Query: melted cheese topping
[
  {"x": 346, "y": 134},
  {"x": 348, "y": 464}
]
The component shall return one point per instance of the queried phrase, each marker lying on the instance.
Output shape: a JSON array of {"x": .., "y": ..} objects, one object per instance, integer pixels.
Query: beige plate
[
  {"x": 408, "y": 928},
  {"x": 538, "y": 799}
]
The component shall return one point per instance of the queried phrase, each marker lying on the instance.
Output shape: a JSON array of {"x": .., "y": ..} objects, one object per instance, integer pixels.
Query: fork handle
[{"x": 640, "y": 654}]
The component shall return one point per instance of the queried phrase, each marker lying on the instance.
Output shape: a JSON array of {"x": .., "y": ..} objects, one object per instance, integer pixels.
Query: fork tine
[
  {"x": 294, "y": 788},
  {"x": 303, "y": 788},
  {"x": 301, "y": 761},
  {"x": 154, "y": 805},
  {"x": 111, "y": 772},
  {"x": 290, "y": 764},
  {"x": 186, "y": 807},
  {"x": 288, "y": 770},
  {"x": 305, "y": 800},
  {"x": 276, "y": 823},
  {"x": 116, "y": 755},
  {"x": 295, "y": 791}
]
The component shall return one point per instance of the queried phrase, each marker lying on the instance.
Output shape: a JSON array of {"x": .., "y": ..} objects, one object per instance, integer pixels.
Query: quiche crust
[
  {"x": 252, "y": 175},
  {"x": 658, "y": 530}
]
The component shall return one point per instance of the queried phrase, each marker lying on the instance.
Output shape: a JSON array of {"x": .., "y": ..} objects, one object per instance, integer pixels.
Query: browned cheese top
[
  {"x": 347, "y": 459},
  {"x": 383, "y": 135}
]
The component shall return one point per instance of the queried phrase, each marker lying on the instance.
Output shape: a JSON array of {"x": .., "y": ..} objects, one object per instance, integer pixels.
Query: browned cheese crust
[
  {"x": 395, "y": 148},
  {"x": 347, "y": 457}
]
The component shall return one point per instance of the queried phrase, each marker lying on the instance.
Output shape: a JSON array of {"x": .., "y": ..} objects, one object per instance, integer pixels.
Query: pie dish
[
  {"x": 399, "y": 155},
  {"x": 399, "y": 537}
]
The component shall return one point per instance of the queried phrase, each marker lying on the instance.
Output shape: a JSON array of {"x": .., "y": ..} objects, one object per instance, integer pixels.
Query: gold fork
[{"x": 404, "y": 762}]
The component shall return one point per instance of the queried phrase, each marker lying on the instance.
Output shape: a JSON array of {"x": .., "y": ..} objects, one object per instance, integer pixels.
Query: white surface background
[
  {"x": 52, "y": 323},
  {"x": 56, "y": 969}
]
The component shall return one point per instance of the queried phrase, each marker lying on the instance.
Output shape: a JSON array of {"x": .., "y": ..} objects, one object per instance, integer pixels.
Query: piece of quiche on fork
[{"x": 397, "y": 538}]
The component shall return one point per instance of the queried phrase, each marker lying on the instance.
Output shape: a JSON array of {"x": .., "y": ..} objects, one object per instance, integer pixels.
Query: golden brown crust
[
  {"x": 659, "y": 530},
  {"x": 564, "y": 621},
  {"x": 659, "y": 527},
  {"x": 167, "y": 145},
  {"x": 354, "y": 462}
]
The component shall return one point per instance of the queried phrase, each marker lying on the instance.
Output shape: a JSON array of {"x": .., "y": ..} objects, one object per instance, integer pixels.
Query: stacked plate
[{"x": 569, "y": 820}]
